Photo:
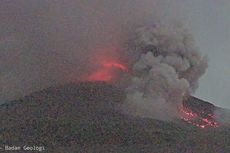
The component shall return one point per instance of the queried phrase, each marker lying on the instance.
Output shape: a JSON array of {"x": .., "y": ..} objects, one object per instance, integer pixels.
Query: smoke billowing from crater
[
  {"x": 167, "y": 70},
  {"x": 47, "y": 43}
]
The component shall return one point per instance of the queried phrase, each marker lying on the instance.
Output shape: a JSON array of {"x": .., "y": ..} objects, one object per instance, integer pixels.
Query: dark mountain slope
[{"x": 82, "y": 118}]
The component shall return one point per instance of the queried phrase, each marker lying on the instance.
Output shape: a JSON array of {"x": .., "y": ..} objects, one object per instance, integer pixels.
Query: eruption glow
[
  {"x": 115, "y": 65},
  {"x": 165, "y": 66},
  {"x": 197, "y": 120},
  {"x": 107, "y": 71}
]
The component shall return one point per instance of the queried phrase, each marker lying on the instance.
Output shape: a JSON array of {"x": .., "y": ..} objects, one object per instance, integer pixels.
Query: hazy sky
[{"x": 209, "y": 21}]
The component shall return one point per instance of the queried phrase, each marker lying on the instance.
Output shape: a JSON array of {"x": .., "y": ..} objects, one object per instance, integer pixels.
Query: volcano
[
  {"x": 199, "y": 113},
  {"x": 83, "y": 117}
]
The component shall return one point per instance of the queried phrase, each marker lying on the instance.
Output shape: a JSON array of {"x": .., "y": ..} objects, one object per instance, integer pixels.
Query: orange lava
[{"x": 196, "y": 120}]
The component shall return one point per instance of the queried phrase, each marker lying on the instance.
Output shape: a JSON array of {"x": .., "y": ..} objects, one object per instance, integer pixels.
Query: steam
[{"x": 167, "y": 70}]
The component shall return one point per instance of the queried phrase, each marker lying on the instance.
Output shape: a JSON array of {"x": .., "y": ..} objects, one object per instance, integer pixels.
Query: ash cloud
[
  {"x": 167, "y": 71},
  {"x": 45, "y": 43}
]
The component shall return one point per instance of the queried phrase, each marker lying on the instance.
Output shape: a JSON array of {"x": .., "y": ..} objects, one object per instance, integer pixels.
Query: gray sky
[
  {"x": 25, "y": 23},
  {"x": 209, "y": 21}
]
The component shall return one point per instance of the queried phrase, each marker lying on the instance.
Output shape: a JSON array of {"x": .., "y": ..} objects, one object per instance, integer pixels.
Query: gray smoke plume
[
  {"x": 45, "y": 43},
  {"x": 167, "y": 70}
]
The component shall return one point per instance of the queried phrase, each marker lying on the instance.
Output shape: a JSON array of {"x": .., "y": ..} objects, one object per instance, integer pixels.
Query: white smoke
[{"x": 167, "y": 70}]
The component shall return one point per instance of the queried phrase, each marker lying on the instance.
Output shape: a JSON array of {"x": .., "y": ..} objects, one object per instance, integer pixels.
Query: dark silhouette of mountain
[{"x": 83, "y": 118}]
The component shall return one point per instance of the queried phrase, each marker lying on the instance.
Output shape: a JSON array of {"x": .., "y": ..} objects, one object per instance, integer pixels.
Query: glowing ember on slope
[
  {"x": 107, "y": 71},
  {"x": 197, "y": 120},
  {"x": 116, "y": 65}
]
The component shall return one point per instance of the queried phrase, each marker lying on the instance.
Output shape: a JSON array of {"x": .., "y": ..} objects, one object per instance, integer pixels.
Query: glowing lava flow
[
  {"x": 107, "y": 71},
  {"x": 196, "y": 120}
]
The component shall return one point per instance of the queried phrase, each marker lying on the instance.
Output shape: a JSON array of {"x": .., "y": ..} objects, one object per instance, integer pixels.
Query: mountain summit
[{"x": 83, "y": 118}]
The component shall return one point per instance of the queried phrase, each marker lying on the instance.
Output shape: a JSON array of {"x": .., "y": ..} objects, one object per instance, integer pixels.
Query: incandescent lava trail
[
  {"x": 201, "y": 121},
  {"x": 109, "y": 71}
]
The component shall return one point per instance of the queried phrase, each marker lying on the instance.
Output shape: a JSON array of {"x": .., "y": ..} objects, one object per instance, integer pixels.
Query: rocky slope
[{"x": 82, "y": 118}]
